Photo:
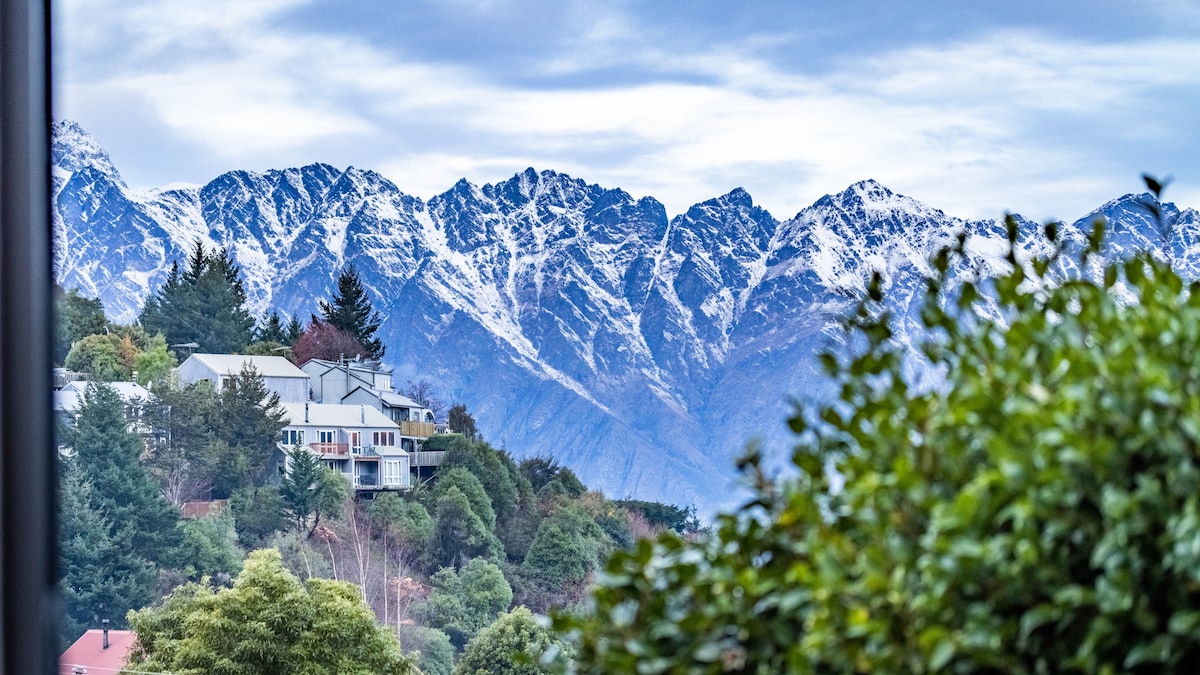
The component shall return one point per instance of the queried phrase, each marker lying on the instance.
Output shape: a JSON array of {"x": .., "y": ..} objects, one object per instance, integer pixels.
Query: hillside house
[
  {"x": 69, "y": 399},
  {"x": 331, "y": 381},
  {"x": 279, "y": 375},
  {"x": 365, "y": 383},
  {"x": 356, "y": 440}
]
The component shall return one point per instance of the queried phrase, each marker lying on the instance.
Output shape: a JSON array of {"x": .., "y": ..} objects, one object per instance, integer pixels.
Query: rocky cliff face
[{"x": 573, "y": 320}]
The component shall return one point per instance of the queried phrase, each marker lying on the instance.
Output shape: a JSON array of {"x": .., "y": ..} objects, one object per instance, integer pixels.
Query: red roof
[{"x": 89, "y": 652}]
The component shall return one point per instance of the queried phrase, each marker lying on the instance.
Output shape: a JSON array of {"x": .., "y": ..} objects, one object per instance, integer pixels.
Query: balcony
[
  {"x": 417, "y": 429},
  {"x": 330, "y": 450},
  {"x": 426, "y": 458},
  {"x": 364, "y": 452}
]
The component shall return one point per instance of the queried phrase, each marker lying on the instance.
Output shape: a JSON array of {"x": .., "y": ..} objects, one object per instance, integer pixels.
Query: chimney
[
  {"x": 306, "y": 412},
  {"x": 104, "y": 627},
  {"x": 362, "y": 414}
]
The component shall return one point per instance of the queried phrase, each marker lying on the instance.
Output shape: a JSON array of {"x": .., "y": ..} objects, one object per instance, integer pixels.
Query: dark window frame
[{"x": 29, "y": 605}]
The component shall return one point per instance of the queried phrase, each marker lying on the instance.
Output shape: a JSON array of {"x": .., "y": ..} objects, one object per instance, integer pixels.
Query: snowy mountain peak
[
  {"x": 73, "y": 149},
  {"x": 572, "y": 319}
]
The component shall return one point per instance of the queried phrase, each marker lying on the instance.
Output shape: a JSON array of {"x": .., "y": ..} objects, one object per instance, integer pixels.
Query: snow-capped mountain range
[{"x": 573, "y": 320}]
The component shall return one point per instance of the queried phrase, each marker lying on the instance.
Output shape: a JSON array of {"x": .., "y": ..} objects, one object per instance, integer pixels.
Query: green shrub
[{"x": 1037, "y": 512}]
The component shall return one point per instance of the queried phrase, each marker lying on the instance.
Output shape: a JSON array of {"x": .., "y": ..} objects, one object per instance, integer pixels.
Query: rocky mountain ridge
[{"x": 573, "y": 320}]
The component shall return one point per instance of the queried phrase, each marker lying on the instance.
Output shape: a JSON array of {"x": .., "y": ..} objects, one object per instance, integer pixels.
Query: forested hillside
[{"x": 166, "y": 496}]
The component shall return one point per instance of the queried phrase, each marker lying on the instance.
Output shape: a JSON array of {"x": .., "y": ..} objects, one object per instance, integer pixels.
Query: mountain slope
[{"x": 572, "y": 319}]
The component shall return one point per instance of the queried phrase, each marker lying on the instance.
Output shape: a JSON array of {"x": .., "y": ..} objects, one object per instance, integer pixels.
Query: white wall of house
[
  {"x": 357, "y": 440},
  {"x": 332, "y": 381},
  {"x": 279, "y": 375}
]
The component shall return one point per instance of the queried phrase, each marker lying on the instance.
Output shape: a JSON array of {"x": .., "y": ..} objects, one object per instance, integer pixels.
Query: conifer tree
[
  {"x": 108, "y": 454},
  {"x": 103, "y": 577},
  {"x": 293, "y": 331},
  {"x": 204, "y": 304},
  {"x": 247, "y": 423},
  {"x": 351, "y": 312},
  {"x": 272, "y": 330}
]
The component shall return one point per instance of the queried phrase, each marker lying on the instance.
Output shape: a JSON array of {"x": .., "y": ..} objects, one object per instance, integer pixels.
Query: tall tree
[
  {"x": 421, "y": 391},
  {"x": 323, "y": 340},
  {"x": 179, "y": 422},
  {"x": 106, "y": 357},
  {"x": 293, "y": 331},
  {"x": 311, "y": 490},
  {"x": 351, "y": 311},
  {"x": 205, "y": 304},
  {"x": 108, "y": 454},
  {"x": 248, "y": 419},
  {"x": 464, "y": 601},
  {"x": 272, "y": 330},
  {"x": 461, "y": 422},
  {"x": 103, "y": 575},
  {"x": 513, "y": 644}
]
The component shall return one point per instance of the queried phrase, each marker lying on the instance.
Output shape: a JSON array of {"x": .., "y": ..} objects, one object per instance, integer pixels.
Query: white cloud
[{"x": 972, "y": 127}]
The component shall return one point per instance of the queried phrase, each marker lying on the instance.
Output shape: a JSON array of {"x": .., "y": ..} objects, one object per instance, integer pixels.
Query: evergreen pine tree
[
  {"x": 293, "y": 331},
  {"x": 108, "y": 454},
  {"x": 103, "y": 576},
  {"x": 351, "y": 312},
  {"x": 204, "y": 304},
  {"x": 272, "y": 330},
  {"x": 248, "y": 419}
]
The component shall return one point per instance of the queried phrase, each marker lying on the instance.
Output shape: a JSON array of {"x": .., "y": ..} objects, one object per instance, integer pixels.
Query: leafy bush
[{"x": 1038, "y": 512}]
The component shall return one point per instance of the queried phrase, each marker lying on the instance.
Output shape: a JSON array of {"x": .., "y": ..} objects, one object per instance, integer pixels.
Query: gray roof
[
  {"x": 126, "y": 390},
  {"x": 67, "y": 400},
  {"x": 70, "y": 397},
  {"x": 361, "y": 366},
  {"x": 231, "y": 364},
  {"x": 399, "y": 401},
  {"x": 332, "y": 415}
]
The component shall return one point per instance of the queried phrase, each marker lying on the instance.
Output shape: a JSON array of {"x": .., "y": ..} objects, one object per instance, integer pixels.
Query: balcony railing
[
  {"x": 417, "y": 429},
  {"x": 330, "y": 449},
  {"x": 427, "y": 458},
  {"x": 364, "y": 452}
]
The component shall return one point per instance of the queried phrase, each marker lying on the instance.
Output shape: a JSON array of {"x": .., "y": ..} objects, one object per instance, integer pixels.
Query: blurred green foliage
[{"x": 1038, "y": 511}]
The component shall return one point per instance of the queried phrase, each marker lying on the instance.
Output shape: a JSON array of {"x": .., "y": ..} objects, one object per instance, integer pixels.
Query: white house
[
  {"x": 69, "y": 399},
  {"x": 357, "y": 440},
  {"x": 364, "y": 383},
  {"x": 279, "y": 375},
  {"x": 331, "y": 381}
]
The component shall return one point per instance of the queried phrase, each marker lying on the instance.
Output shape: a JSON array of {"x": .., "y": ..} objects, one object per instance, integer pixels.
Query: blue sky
[{"x": 975, "y": 107}]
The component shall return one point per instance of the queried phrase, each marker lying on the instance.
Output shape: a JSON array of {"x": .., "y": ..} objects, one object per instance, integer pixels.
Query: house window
[
  {"x": 356, "y": 439},
  {"x": 293, "y": 437},
  {"x": 325, "y": 436},
  {"x": 385, "y": 438},
  {"x": 393, "y": 472}
]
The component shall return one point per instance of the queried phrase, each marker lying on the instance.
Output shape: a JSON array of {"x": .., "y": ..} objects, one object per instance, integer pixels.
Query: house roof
[
  {"x": 399, "y": 401},
  {"x": 67, "y": 401},
  {"x": 70, "y": 397},
  {"x": 361, "y": 366},
  {"x": 89, "y": 652},
  {"x": 126, "y": 390},
  {"x": 231, "y": 364},
  {"x": 332, "y": 415}
]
